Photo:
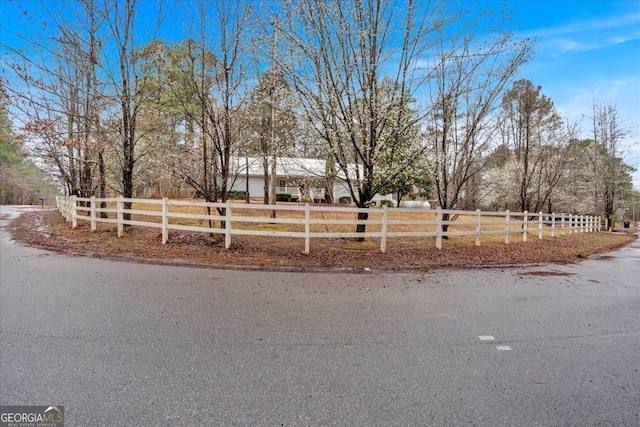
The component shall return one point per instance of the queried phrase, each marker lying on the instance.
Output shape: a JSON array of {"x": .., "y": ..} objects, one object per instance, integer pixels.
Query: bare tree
[
  {"x": 608, "y": 136},
  {"x": 121, "y": 20},
  {"x": 212, "y": 75},
  {"x": 343, "y": 55},
  {"x": 58, "y": 96},
  {"x": 274, "y": 138},
  {"x": 469, "y": 79},
  {"x": 535, "y": 132},
  {"x": 125, "y": 79}
]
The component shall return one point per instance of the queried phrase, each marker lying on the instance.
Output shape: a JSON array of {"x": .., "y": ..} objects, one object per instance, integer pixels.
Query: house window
[{"x": 282, "y": 183}]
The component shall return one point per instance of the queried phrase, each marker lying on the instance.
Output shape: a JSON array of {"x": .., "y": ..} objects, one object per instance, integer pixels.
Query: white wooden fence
[{"x": 484, "y": 223}]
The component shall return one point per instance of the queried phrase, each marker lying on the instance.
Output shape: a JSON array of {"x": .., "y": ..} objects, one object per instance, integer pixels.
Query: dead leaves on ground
[{"x": 47, "y": 229}]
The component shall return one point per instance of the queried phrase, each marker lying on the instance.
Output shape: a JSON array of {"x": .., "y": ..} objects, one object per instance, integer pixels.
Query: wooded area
[{"x": 412, "y": 98}]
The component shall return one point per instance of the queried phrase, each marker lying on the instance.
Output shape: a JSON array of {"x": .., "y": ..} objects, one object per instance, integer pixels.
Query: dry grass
[{"x": 463, "y": 223}]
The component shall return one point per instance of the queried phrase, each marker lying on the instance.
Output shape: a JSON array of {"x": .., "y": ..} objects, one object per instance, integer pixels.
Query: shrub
[
  {"x": 198, "y": 194},
  {"x": 283, "y": 197},
  {"x": 386, "y": 203},
  {"x": 344, "y": 200}
]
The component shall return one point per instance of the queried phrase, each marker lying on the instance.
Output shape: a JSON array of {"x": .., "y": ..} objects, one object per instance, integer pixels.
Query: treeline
[
  {"x": 21, "y": 181},
  {"x": 408, "y": 97}
]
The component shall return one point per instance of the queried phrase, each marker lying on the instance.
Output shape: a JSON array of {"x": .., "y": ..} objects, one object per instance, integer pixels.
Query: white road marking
[
  {"x": 504, "y": 348},
  {"x": 486, "y": 337}
]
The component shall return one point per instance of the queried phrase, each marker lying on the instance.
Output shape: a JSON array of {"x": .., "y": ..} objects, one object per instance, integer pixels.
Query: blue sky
[{"x": 585, "y": 49}]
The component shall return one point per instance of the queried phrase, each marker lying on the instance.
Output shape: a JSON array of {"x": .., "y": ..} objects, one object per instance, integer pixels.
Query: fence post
[
  {"x": 439, "y": 228},
  {"x": 165, "y": 220},
  {"x": 93, "y": 213},
  {"x": 570, "y": 222},
  {"x": 227, "y": 226},
  {"x": 582, "y": 223},
  {"x": 525, "y": 225},
  {"x": 119, "y": 208},
  {"x": 562, "y": 226},
  {"x": 478, "y": 226},
  {"x": 540, "y": 225},
  {"x": 74, "y": 213},
  {"x": 553, "y": 225},
  {"x": 508, "y": 220},
  {"x": 383, "y": 232},
  {"x": 307, "y": 228},
  {"x": 67, "y": 208}
]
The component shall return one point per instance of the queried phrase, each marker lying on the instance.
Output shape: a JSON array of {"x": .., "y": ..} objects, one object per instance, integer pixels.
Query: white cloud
[
  {"x": 587, "y": 35},
  {"x": 589, "y": 26},
  {"x": 563, "y": 45}
]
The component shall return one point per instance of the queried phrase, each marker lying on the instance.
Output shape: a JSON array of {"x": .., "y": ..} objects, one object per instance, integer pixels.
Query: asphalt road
[{"x": 122, "y": 344}]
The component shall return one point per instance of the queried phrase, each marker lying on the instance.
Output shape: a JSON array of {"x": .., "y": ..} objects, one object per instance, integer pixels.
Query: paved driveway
[{"x": 123, "y": 344}]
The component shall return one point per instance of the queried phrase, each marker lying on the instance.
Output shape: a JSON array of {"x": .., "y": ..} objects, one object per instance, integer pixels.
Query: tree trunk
[
  {"x": 103, "y": 182},
  {"x": 445, "y": 227},
  {"x": 361, "y": 228},
  {"x": 127, "y": 178}
]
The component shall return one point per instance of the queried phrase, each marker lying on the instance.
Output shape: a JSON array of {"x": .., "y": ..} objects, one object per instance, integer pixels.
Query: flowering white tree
[
  {"x": 500, "y": 189},
  {"x": 356, "y": 66}
]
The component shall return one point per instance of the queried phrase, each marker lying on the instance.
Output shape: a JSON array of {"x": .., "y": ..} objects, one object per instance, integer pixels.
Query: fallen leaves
[{"x": 47, "y": 229}]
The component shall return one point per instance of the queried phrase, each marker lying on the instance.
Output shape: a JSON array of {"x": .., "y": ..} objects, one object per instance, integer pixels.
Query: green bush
[
  {"x": 346, "y": 200},
  {"x": 283, "y": 197},
  {"x": 386, "y": 203}
]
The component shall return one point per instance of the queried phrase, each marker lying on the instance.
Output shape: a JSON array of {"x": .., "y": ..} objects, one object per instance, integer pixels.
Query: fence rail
[{"x": 236, "y": 219}]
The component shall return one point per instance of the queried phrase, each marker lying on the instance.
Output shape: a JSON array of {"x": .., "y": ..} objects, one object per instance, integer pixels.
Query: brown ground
[{"x": 48, "y": 230}]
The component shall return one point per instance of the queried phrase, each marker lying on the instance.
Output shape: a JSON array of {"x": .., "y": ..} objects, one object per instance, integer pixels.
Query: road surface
[{"x": 120, "y": 344}]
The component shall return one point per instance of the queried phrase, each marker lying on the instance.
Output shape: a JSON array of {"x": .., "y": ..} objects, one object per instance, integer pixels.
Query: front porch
[{"x": 301, "y": 194}]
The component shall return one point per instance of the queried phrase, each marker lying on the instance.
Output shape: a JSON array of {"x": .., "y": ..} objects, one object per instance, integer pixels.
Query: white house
[{"x": 305, "y": 179}]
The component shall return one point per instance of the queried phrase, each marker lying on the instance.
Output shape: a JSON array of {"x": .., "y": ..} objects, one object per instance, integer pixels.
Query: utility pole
[{"x": 274, "y": 108}]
